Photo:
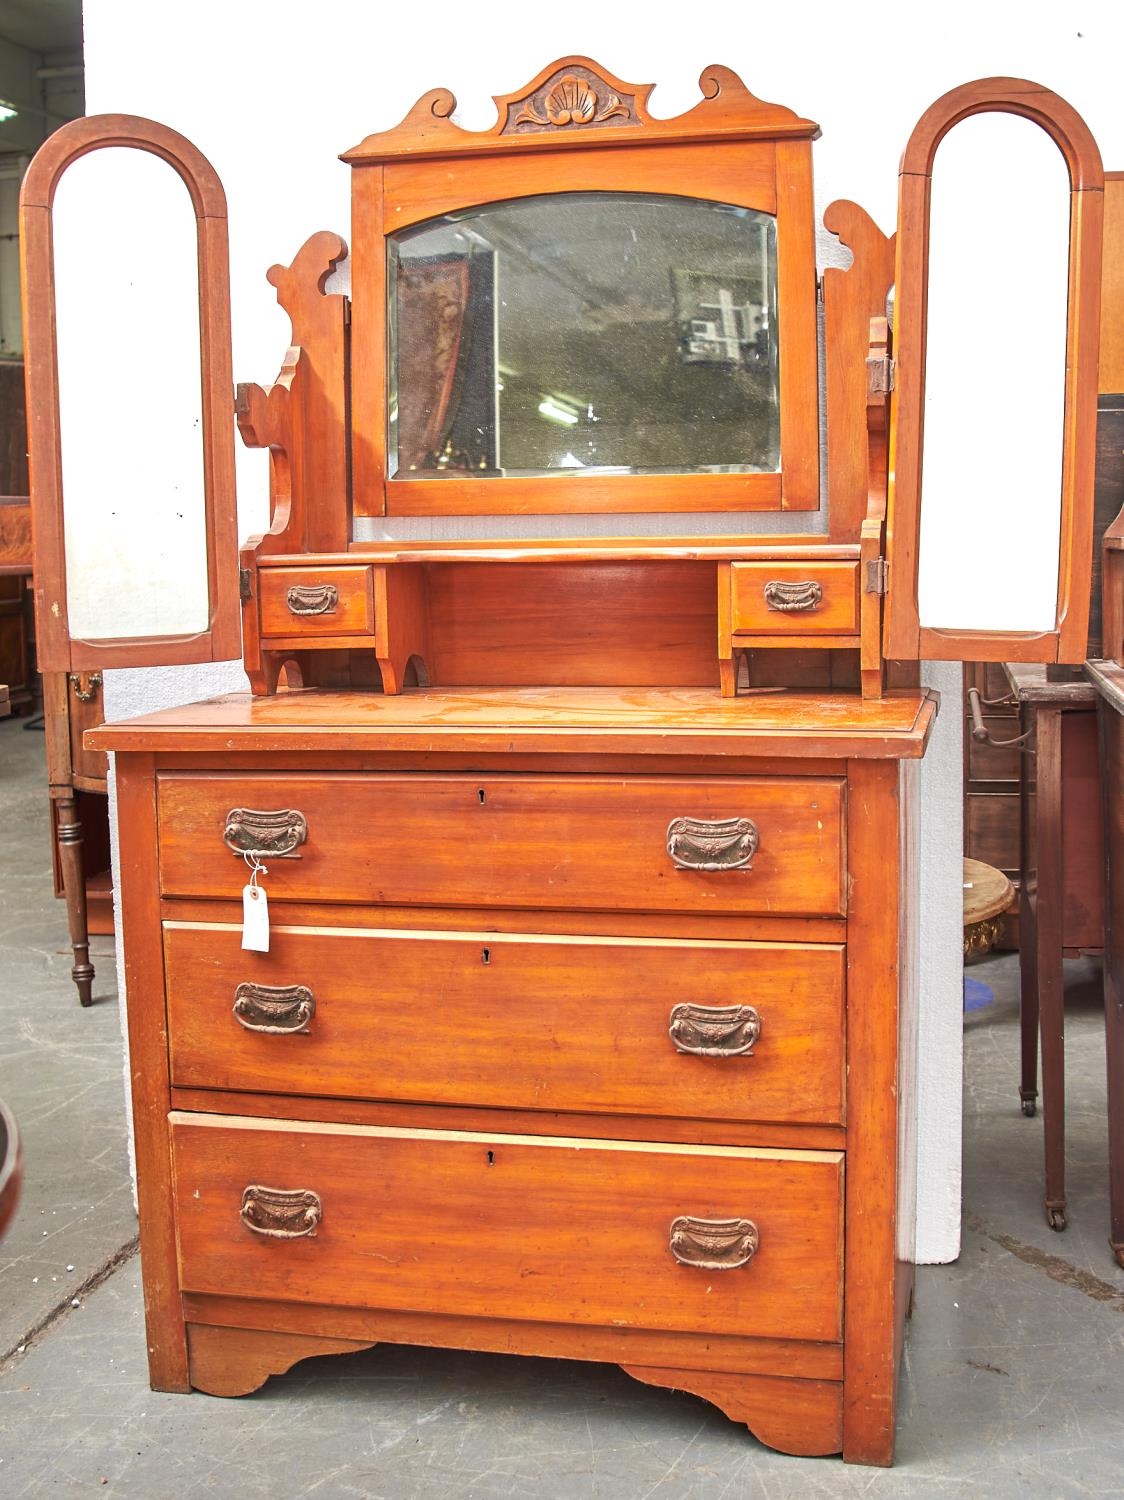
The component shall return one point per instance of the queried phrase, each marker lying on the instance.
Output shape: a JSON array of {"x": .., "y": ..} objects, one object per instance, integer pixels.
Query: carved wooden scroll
[
  {"x": 57, "y": 651},
  {"x": 577, "y": 102}
]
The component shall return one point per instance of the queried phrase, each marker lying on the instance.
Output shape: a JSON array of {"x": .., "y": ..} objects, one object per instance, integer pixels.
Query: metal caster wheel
[
  {"x": 1030, "y": 1108},
  {"x": 1056, "y": 1218}
]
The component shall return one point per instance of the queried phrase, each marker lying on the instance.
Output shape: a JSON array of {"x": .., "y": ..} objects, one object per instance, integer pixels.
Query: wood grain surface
[
  {"x": 516, "y": 1022},
  {"x": 494, "y": 1225},
  {"x": 561, "y": 842}
]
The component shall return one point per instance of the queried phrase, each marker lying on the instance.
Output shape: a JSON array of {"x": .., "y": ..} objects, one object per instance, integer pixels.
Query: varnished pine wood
[
  {"x": 837, "y": 613},
  {"x": 223, "y": 1362},
  {"x": 794, "y": 1416},
  {"x": 497, "y": 918},
  {"x": 594, "y": 1038},
  {"x": 904, "y": 635},
  {"x": 870, "y": 1370},
  {"x": 529, "y": 1227},
  {"x": 851, "y": 299},
  {"x": 727, "y": 108},
  {"x": 527, "y": 841},
  {"x": 728, "y": 1353},
  {"x": 557, "y": 721},
  {"x": 148, "y": 1074},
  {"x": 57, "y": 649},
  {"x": 768, "y": 172},
  {"x": 650, "y": 1127}
]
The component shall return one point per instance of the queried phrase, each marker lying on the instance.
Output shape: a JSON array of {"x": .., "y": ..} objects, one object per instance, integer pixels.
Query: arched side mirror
[
  {"x": 207, "y": 629},
  {"x": 908, "y": 630}
]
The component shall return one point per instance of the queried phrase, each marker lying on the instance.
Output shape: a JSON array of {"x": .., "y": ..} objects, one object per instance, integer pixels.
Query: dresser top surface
[{"x": 694, "y": 721}]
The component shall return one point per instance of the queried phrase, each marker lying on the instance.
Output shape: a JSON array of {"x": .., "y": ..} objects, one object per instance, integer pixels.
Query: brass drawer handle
[
  {"x": 312, "y": 598},
  {"x": 277, "y": 1010},
  {"x": 793, "y": 598},
  {"x": 714, "y": 1030},
  {"x": 713, "y": 1244},
  {"x": 279, "y": 833},
  {"x": 718, "y": 844},
  {"x": 281, "y": 1213}
]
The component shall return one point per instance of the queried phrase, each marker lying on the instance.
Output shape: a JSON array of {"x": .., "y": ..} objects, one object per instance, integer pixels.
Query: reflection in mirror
[
  {"x": 604, "y": 332},
  {"x": 130, "y": 402},
  {"x": 994, "y": 378}
]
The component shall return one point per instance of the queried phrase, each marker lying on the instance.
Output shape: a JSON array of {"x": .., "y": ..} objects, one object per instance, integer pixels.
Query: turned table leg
[{"x": 74, "y": 889}]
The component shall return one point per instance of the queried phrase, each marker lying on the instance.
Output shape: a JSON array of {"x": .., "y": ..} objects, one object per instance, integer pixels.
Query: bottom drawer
[{"x": 595, "y": 1232}]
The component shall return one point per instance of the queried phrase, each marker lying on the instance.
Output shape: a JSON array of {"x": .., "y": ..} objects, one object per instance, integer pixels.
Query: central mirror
[{"x": 588, "y": 333}]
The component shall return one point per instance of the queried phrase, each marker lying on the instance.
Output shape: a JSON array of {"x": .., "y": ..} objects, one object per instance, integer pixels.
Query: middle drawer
[{"x": 674, "y": 1028}]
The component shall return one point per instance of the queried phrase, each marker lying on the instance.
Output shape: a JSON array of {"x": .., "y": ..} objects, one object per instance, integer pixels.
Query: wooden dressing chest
[
  {"x": 519, "y": 1072},
  {"x": 586, "y": 1023}
]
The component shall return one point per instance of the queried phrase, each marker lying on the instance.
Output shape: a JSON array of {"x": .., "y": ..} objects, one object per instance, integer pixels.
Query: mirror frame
[
  {"x": 554, "y": 137},
  {"x": 221, "y": 641},
  {"x": 904, "y": 637}
]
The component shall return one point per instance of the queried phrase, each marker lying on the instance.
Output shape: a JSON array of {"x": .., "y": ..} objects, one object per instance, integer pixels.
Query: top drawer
[
  {"x": 564, "y": 842},
  {"x": 794, "y": 598}
]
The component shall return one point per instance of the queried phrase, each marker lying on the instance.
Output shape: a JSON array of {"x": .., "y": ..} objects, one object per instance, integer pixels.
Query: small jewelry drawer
[
  {"x": 723, "y": 1240},
  {"x": 718, "y": 844},
  {"x": 794, "y": 598},
  {"x": 657, "y": 1027},
  {"x": 317, "y": 601}
]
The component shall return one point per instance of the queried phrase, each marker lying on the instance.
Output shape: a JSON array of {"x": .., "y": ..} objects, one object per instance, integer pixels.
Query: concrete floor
[{"x": 1015, "y": 1360}]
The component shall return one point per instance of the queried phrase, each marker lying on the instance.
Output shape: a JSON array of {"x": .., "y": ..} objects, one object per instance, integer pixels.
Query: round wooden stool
[{"x": 987, "y": 895}]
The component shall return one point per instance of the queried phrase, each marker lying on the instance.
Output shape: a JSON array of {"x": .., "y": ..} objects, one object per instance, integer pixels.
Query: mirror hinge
[
  {"x": 245, "y": 587},
  {"x": 880, "y": 376},
  {"x": 877, "y": 575}
]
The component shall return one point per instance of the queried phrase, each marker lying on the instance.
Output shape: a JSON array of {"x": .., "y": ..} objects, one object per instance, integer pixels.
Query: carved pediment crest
[{"x": 576, "y": 95}]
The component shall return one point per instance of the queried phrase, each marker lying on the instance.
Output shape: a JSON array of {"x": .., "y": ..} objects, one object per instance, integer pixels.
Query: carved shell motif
[{"x": 572, "y": 101}]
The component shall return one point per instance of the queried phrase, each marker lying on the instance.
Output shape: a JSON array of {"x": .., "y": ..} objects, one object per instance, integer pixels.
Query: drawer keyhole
[
  {"x": 485, "y": 956},
  {"x": 480, "y": 794},
  {"x": 491, "y": 1158}
]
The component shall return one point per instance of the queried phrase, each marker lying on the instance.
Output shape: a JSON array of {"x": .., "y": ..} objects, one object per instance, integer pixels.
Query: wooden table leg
[
  {"x": 1048, "y": 955},
  {"x": 1028, "y": 939},
  {"x": 1112, "y": 780},
  {"x": 74, "y": 889}
]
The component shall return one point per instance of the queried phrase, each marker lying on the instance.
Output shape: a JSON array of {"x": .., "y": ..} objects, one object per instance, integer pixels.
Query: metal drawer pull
[
  {"x": 312, "y": 598},
  {"x": 281, "y": 1213},
  {"x": 279, "y": 833},
  {"x": 714, "y": 1030},
  {"x": 793, "y": 598},
  {"x": 721, "y": 844},
  {"x": 713, "y": 1244},
  {"x": 277, "y": 1010}
]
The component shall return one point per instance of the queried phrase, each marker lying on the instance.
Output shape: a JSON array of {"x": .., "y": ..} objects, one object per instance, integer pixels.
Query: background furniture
[
  {"x": 1107, "y": 677},
  {"x": 1061, "y": 880},
  {"x": 991, "y": 784},
  {"x": 76, "y": 777},
  {"x": 77, "y": 784},
  {"x": 17, "y": 649},
  {"x": 988, "y": 894}
]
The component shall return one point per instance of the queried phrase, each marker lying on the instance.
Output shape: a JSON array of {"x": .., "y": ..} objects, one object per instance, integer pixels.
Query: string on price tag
[{"x": 255, "y": 907}]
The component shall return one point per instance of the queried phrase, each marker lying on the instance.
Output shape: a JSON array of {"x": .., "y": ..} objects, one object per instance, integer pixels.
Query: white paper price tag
[{"x": 255, "y": 919}]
